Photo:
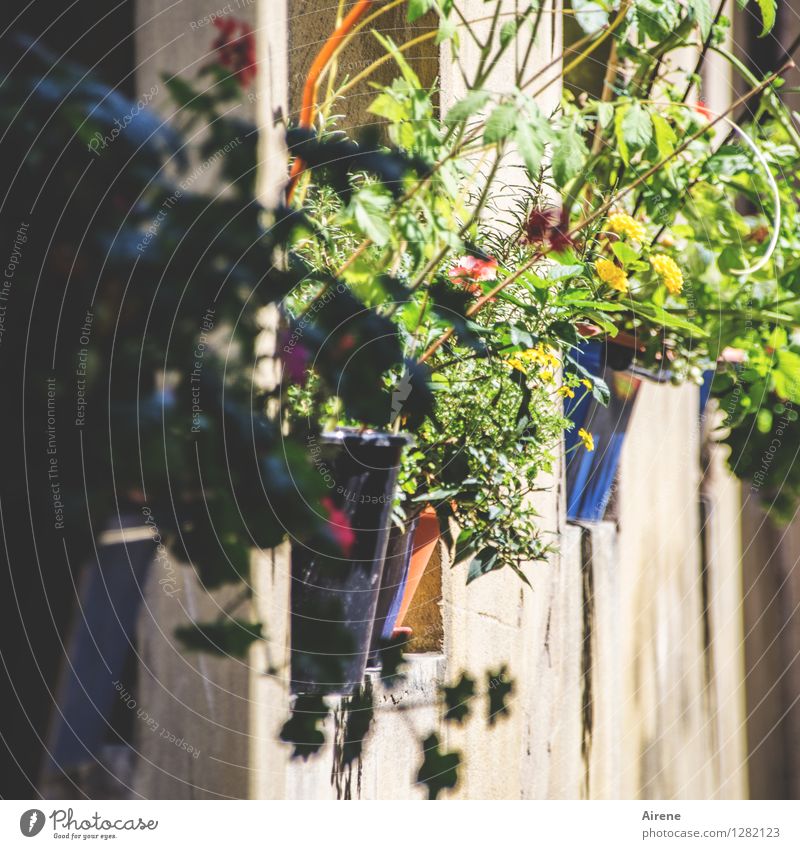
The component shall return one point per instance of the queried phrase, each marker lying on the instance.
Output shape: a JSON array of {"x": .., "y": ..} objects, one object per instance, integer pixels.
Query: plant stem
[{"x": 312, "y": 80}]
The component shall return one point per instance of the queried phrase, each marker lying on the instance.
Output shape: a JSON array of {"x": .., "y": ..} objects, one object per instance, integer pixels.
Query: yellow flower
[
  {"x": 622, "y": 223},
  {"x": 667, "y": 269},
  {"x": 547, "y": 376},
  {"x": 566, "y": 391},
  {"x": 586, "y": 382},
  {"x": 539, "y": 356},
  {"x": 517, "y": 363},
  {"x": 587, "y": 439},
  {"x": 612, "y": 274}
]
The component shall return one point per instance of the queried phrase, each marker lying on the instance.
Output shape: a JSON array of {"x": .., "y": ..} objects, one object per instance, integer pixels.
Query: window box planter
[{"x": 333, "y": 600}]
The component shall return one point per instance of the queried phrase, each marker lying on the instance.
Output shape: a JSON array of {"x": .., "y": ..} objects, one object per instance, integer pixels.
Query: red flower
[
  {"x": 339, "y": 526},
  {"x": 473, "y": 268},
  {"x": 548, "y": 225},
  {"x": 236, "y": 48},
  {"x": 701, "y": 109},
  {"x": 538, "y": 226}
]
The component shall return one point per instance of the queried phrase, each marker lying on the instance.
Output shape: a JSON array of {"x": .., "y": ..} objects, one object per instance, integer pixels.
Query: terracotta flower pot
[
  {"x": 426, "y": 535},
  {"x": 393, "y": 584}
]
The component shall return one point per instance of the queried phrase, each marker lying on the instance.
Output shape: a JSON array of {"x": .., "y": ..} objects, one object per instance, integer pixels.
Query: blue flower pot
[{"x": 591, "y": 474}]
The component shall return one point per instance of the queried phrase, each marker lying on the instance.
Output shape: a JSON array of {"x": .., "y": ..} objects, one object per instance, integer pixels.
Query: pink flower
[
  {"x": 339, "y": 526},
  {"x": 473, "y": 268}
]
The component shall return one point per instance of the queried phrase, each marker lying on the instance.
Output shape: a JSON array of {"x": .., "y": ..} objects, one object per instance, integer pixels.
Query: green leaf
[
  {"x": 619, "y": 117},
  {"x": 624, "y": 253},
  {"x": 184, "y": 95},
  {"x": 787, "y": 378},
  {"x": 668, "y": 319},
  {"x": 666, "y": 140},
  {"x": 468, "y": 106},
  {"x": 501, "y": 123},
  {"x": 605, "y": 113},
  {"x": 768, "y": 14},
  {"x": 531, "y": 148},
  {"x": 600, "y": 390},
  {"x": 557, "y": 272},
  {"x": 386, "y": 106},
  {"x": 370, "y": 207},
  {"x": 417, "y": 8},
  {"x": 704, "y": 15},
  {"x": 439, "y": 770},
  {"x": 485, "y": 561},
  {"x": 634, "y": 128},
  {"x": 447, "y": 29},
  {"x": 569, "y": 155},
  {"x": 507, "y": 32},
  {"x": 231, "y": 638},
  {"x": 764, "y": 420},
  {"x": 590, "y": 15},
  {"x": 405, "y": 69}
]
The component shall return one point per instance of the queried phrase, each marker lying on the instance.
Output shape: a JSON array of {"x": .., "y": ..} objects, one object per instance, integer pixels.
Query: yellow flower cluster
[
  {"x": 667, "y": 269},
  {"x": 612, "y": 274},
  {"x": 540, "y": 356},
  {"x": 587, "y": 439},
  {"x": 625, "y": 225},
  {"x": 566, "y": 391}
]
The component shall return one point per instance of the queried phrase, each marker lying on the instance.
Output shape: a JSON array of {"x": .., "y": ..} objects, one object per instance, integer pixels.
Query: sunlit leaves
[
  {"x": 501, "y": 123},
  {"x": 468, "y": 106},
  {"x": 531, "y": 148},
  {"x": 665, "y": 137},
  {"x": 703, "y": 14},
  {"x": 591, "y": 16},
  {"x": 370, "y": 206},
  {"x": 656, "y": 19},
  {"x": 569, "y": 154},
  {"x": 633, "y": 127},
  {"x": 417, "y": 8},
  {"x": 768, "y": 8}
]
